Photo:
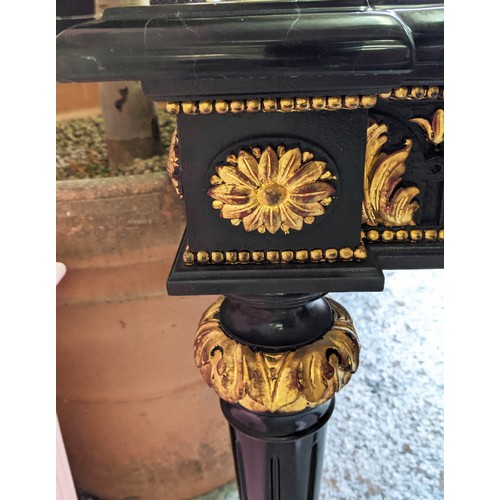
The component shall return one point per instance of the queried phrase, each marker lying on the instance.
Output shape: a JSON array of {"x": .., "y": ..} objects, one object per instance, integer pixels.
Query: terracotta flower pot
[{"x": 137, "y": 419}]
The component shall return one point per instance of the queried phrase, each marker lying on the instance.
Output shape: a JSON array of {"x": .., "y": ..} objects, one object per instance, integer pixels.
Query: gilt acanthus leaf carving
[{"x": 385, "y": 202}]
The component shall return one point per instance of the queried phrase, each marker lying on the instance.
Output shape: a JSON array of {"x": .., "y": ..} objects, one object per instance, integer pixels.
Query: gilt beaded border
[
  {"x": 345, "y": 254},
  {"x": 316, "y": 255},
  {"x": 292, "y": 104},
  {"x": 402, "y": 235}
]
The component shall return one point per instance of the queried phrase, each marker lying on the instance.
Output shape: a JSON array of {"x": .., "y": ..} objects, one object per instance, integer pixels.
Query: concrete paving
[{"x": 385, "y": 438}]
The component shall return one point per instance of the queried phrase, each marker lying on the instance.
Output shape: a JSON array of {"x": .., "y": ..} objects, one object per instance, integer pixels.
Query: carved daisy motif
[{"x": 273, "y": 190}]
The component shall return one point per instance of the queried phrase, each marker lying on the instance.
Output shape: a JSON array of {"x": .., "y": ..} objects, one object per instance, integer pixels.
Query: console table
[{"x": 309, "y": 154}]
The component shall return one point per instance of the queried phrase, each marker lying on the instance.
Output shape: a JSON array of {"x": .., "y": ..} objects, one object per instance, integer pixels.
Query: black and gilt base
[{"x": 276, "y": 362}]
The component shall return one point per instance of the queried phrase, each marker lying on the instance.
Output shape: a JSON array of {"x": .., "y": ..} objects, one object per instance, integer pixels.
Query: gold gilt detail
[
  {"x": 300, "y": 104},
  {"x": 272, "y": 190},
  {"x": 383, "y": 201},
  {"x": 173, "y": 165},
  {"x": 402, "y": 235},
  {"x": 272, "y": 105},
  {"x": 413, "y": 93},
  {"x": 434, "y": 129},
  {"x": 277, "y": 382},
  {"x": 345, "y": 254}
]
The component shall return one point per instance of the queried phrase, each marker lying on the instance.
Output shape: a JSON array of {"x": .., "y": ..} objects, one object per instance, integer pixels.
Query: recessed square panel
[{"x": 273, "y": 181}]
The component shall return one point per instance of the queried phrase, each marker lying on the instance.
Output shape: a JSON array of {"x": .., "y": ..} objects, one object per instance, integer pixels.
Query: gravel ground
[
  {"x": 81, "y": 151},
  {"x": 385, "y": 438}
]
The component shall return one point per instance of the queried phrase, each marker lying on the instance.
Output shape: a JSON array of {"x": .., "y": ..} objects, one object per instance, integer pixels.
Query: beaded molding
[
  {"x": 413, "y": 93},
  {"x": 402, "y": 235},
  {"x": 294, "y": 104},
  {"x": 345, "y": 254},
  {"x": 316, "y": 255}
]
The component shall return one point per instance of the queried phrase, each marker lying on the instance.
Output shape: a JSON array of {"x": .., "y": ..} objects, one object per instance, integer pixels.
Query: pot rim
[{"x": 111, "y": 187}]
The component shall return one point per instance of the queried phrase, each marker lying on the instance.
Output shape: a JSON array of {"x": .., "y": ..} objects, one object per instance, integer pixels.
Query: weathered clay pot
[{"x": 137, "y": 419}]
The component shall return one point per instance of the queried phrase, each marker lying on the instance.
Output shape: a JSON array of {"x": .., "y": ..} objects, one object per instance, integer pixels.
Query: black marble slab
[{"x": 232, "y": 49}]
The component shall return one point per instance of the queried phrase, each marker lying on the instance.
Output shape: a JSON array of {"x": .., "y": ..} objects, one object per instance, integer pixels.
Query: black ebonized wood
[
  {"x": 335, "y": 138},
  {"x": 278, "y": 457},
  {"x": 365, "y": 276}
]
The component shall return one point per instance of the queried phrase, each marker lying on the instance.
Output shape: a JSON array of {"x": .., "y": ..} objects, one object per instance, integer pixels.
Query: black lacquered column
[
  {"x": 276, "y": 361},
  {"x": 278, "y": 456}
]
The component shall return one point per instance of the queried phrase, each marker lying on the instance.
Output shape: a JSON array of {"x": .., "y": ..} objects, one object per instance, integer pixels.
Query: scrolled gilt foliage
[
  {"x": 383, "y": 201},
  {"x": 173, "y": 166},
  {"x": 277, "y": 382},
  {"x": 272, "y": 190},
  {"x": 434, "y": 129}
]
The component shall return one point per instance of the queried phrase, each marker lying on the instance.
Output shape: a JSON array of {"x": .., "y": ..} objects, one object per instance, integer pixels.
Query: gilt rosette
[{"x": 273, "y": 190}]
